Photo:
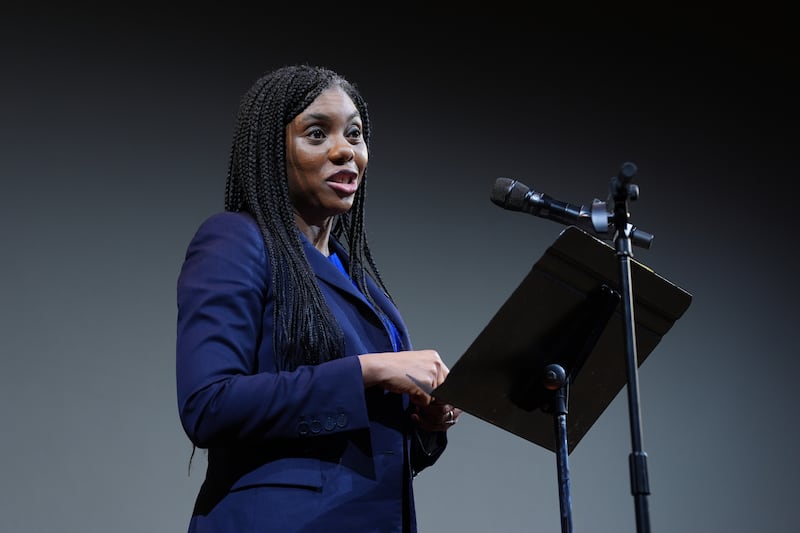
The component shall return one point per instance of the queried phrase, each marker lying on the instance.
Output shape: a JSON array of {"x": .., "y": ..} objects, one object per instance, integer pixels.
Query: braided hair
[{"x": 306, "y": 333}]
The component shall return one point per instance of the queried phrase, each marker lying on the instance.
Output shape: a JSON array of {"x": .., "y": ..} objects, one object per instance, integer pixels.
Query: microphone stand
[
  {"x": 623, "y": 190},
  {"x": 556, "y": 383}
]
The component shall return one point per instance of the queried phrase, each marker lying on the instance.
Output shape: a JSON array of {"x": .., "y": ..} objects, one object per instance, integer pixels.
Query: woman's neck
[{"x": 317, "y": 234}]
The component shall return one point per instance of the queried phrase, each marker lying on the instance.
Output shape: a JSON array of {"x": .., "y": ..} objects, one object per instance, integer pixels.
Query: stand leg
[
  {"x": 637, "y": 459},
  {"x": 564, "y": 499},
  {"x": 555, "y": 381}
]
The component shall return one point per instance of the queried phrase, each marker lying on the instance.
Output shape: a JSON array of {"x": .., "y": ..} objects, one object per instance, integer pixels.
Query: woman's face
[{"x": 325, "y": 157}]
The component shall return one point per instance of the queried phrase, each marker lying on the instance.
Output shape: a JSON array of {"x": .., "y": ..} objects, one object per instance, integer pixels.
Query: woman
[{"x": 294, "y": 368}]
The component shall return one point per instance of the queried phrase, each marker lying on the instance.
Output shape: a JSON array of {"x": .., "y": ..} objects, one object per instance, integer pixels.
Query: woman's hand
[
  {"x": 415, "y": 373},
  {"x": 436, "y": 416}
]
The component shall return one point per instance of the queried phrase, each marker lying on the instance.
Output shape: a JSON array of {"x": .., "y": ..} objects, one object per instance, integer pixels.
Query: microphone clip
[{"x": 601, "y": 222}]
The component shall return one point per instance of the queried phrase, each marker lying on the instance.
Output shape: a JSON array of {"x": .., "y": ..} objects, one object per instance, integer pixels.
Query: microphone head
[{"x": 509, "y": 194}]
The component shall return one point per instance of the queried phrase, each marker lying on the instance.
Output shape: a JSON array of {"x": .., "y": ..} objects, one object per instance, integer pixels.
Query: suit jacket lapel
[{"x": 328, "y": 273}]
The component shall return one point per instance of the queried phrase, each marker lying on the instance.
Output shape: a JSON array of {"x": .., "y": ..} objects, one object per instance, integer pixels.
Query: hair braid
[{"x": 352, "y": 227}]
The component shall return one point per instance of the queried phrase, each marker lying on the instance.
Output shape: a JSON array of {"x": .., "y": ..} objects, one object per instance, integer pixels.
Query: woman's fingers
[
  {"x": 416, "y": 373},
  {"x": 436, "y": 416}
]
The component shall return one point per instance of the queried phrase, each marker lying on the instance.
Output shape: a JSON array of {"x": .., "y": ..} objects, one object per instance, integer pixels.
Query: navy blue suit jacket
[{"x": 306, "y": 450}]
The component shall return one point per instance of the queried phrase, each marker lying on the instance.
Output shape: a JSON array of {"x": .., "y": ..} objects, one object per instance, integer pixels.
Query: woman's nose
[{"x": 342, "y": 152}]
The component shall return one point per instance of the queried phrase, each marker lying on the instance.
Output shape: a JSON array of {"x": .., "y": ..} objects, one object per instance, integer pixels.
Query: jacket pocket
[{"x": 290, "y": 471}]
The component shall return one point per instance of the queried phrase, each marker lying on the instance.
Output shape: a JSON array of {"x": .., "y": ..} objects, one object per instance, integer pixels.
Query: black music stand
[{"x": 557, "y": 341}]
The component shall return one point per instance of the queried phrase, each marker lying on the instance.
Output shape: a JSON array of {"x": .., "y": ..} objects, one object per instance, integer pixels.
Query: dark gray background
[{"x": 115, "y": 136}]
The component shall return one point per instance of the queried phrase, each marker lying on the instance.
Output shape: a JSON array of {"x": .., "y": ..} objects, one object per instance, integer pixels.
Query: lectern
[{"x": 552, "y": 358}]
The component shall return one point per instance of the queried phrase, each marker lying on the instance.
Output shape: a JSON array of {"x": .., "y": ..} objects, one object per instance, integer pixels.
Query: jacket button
[
  {"x": 330, "y": 423},
  {"x": 316, "y": 426},
  {"x": 341, "y": 420},
  {"x": 302, "y": 428}
]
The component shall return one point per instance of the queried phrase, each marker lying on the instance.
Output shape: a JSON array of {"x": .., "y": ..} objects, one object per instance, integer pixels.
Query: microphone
[{"x": 596, "y": 220}]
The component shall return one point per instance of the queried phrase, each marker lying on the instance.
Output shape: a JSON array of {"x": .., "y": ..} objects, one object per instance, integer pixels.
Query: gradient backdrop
[{"x": 115, "y": 132}]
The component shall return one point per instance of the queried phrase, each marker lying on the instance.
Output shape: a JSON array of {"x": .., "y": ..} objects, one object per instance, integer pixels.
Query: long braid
[
  {"x": 362, "y": 263},
  {"x": 257, "y": 183},
  {"x": 351, "y": 226}
]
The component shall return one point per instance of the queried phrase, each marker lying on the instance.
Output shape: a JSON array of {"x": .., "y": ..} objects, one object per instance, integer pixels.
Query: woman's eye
[
  {"x": 354, "y": 133},
  {"x": 316, "y": 133}
]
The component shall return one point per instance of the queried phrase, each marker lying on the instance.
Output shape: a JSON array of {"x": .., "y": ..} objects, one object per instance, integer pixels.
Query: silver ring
[{"x": 450, "y": 417}]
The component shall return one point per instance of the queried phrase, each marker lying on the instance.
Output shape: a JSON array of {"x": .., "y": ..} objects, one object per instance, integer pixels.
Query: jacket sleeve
[{"x": 226, "y": 391}]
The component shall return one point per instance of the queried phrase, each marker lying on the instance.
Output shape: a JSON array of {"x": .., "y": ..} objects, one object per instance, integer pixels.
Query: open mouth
[
  {"x": 345, "y": 177},
  {"x": 345, "y": 183}
]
